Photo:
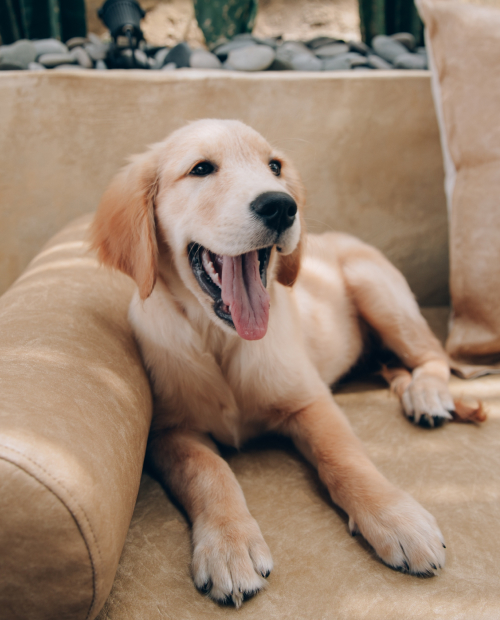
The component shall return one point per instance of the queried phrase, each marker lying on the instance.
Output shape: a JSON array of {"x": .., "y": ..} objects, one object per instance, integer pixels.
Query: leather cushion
[
  {"x": 462, "y": 40},
  {"x": 75, "y": 409}
]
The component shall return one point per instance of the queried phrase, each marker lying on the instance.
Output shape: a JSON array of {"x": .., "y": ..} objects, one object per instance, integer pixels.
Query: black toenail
[
  {"x": 444, "y": 545},
  {"x": 248, "y": 595},
  {"x": 266, "y": 574},
  {"x": 205, "y": 588},
  {"x": 227, "y": 600}
]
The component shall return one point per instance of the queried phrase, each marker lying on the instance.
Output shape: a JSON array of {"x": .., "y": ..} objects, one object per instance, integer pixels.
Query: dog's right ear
[{"x": 124, "y": 232}]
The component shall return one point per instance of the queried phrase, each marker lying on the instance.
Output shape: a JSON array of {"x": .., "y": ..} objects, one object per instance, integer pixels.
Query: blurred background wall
[{"x": 169, "y": 21}]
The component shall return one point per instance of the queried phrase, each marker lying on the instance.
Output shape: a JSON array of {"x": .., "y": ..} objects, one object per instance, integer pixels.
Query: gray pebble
[
  {"x": 36, "y": 66},
  {"x": 201, "y": 59},
  {"x": 318, "y": 42},
  {"x": 253, "y": 58},
  {"x": 100, "y": 65},
  {"x": 82, "y": 57},
  {"x": 278, "y": 65},
  {"x": 388, "y": 48},
  {"x": 76, "y": 42},
  {"x": 9, "y": 65},
  {"x": 54, "y": 60},
  {"x": 379, "y": 63},
  {"x": 179, "y": 54},
  {"x": 222, "y": 51},
  {"x": 170, "y": 66},
  {"x": 126, "y": 60},
  {"x": 69, "y": 68},
  {"x": 362, "y": 68},
  {"x": 287, "y": 52},
  {"x": 334, "y": 49},
  {"x": 141, "y": 59},
  {"x": 94, "y": 38},
  {"x": 289, "y": 48},
  {"x": 306, "y": 62},
  {"x": 18, "y": 55},
  {"x": 271, "y": 41},
  {"x": 343, "y": 62},
  {"x": 406, "y": 39},
  {"x": 160, "y": 57},
  {"x": 49, "y": 46},
  {"x": 359, "y": 47},
  {"x": 359, "y": 61},
  {"x": 422, "y": 51},
  {"x": 97, "y": 51},
  {"x": 410, "y": 61}
]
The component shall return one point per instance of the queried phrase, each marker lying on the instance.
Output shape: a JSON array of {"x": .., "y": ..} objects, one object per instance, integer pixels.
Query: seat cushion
[
  {"x": 320, "y": 571},
  {"x": 75, "y": 409}
]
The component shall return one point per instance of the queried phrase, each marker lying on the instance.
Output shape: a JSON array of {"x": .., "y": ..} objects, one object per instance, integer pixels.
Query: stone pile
[{"x": 243, "y": 53}]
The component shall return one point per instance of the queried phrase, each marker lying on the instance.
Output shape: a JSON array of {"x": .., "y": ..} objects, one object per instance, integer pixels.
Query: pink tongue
[{"x": 245, "y": 295}]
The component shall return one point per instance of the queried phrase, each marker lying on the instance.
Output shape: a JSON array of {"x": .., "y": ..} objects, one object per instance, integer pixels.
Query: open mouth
[{"x": 237, "y": 285}]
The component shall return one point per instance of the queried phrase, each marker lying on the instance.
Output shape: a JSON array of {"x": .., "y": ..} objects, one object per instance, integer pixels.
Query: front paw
[
  {"x": 427, "y": 401},
  {"x": 404, "y": 535},
  {"x": 230, "y": 559}
]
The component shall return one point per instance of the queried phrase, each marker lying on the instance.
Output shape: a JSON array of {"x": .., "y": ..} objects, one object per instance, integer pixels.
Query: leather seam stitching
[{"x": 92, "y": 563}]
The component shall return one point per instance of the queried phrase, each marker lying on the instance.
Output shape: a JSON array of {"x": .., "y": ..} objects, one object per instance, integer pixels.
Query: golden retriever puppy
[{"x": 239, "y": 342}]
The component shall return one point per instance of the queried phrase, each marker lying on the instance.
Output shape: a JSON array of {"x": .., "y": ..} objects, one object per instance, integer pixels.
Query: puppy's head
[{"x": 225, "y": 204}]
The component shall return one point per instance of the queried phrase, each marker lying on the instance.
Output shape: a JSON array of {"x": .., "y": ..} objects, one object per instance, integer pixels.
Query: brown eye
[
  {"x": 203, "y": 169},
  {"x": 275, "y": 166}
]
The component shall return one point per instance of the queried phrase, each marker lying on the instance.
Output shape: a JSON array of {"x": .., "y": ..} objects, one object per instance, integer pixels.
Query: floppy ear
[
  {"x": 123, "y": 232},
  {"x": 289, "y": 265}
]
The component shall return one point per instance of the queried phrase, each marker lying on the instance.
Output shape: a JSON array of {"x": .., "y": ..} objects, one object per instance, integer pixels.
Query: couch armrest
[{"x": 75, "y": 409}]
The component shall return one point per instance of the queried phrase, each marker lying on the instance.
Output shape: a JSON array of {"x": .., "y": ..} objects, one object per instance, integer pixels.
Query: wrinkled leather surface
[
  {"x": 75, "y": 409},
  {"x": 321, "y": 573},
  {"x": 464, "y": 40}
]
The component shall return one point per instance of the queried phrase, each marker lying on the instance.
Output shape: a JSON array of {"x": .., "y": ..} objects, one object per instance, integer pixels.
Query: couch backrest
[{"x": 366, "y": 144}]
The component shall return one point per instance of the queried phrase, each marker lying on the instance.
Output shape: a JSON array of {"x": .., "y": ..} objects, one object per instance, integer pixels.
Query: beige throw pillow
[{"x": 463, "y": 43}]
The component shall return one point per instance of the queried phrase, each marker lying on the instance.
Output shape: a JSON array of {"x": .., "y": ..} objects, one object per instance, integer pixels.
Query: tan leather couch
[{"x": 75, "y": 402}]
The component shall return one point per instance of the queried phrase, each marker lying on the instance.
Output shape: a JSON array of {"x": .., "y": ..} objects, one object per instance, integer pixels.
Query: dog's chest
[
  {"x": 251, "y": 387},
  {"x": 215, "y": 383}
]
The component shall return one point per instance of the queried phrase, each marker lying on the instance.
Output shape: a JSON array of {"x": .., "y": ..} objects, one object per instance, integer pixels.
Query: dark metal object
[{"x": 123, "y": 19}]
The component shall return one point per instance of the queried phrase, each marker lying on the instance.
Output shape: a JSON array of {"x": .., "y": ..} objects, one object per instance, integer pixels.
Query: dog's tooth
[{"x": 209, "y": 268}]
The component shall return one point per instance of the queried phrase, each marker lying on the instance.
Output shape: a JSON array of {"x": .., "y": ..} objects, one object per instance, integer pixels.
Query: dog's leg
[
  {"x": 385, "y": 301},
  {"x": 230, "y": 555},
  {"x": 400, "y": 530}
]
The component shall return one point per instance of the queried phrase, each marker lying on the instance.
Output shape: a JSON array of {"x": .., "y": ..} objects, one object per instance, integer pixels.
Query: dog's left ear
[
  {"x": 289, "y": 265},
  {"x": 123, "y": 232}
]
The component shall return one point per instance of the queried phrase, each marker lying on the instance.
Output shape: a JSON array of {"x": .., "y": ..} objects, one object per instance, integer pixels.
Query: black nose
[{"x": 276, "y": 209}]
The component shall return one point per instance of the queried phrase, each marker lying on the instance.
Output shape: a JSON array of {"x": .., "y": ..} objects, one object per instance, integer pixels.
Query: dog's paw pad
[
  {"x": 230, "y": 562},
  {"x": 427, "y": 402},
  {"x": 406, "y": 537}
]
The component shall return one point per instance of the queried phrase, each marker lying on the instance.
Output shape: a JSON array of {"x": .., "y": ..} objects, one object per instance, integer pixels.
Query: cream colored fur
[{"x": 210, "y": 384}]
